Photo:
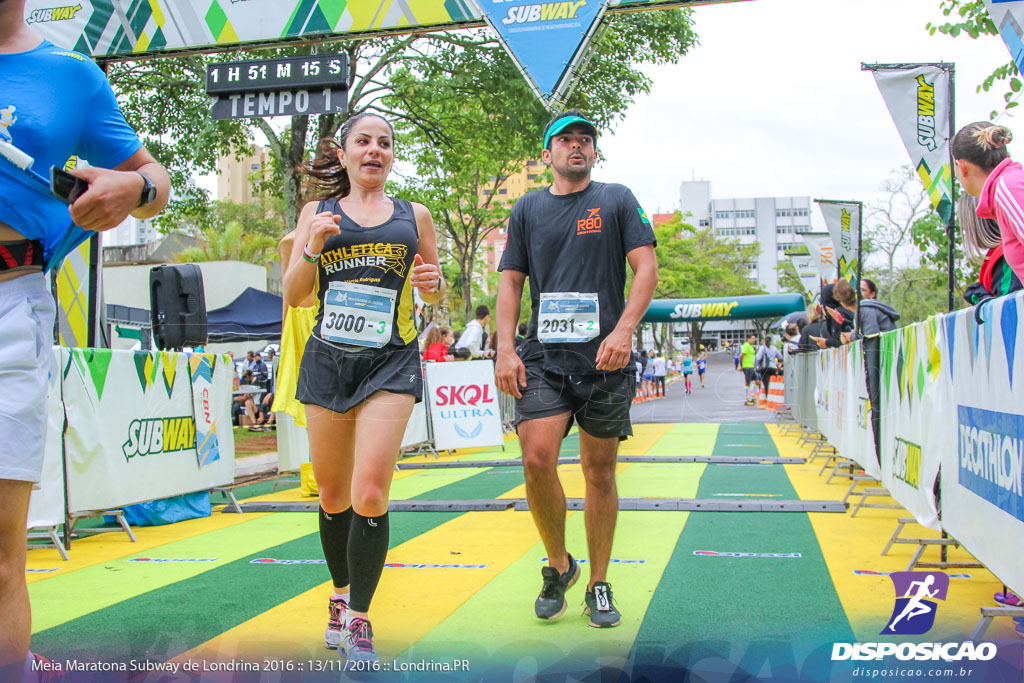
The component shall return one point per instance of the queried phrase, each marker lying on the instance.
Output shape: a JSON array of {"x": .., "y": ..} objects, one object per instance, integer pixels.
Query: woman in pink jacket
[{"x": 987, "y": 172}]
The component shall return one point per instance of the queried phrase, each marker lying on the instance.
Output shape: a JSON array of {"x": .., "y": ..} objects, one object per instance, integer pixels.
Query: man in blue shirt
[{"x": 57, "y": 107}]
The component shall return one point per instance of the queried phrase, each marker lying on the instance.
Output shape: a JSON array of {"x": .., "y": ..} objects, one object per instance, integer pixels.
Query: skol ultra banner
[
  {"x": 823, "y": 254},
  {"x": 911, "y": 400},
  {"x": 918, "y": 101},
  {"x": 843, "y": 222},
  {"x": 463, "y": 403},
  {"x": 980, "y": 422},
  {"x": 1008, "y": 16},
  {"x": 131, "y": 434}
]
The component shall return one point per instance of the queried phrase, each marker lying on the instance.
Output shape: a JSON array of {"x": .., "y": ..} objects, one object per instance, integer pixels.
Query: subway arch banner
[
  {"x": 126, "y": 29},
  {"x": 723, "y": 308}
]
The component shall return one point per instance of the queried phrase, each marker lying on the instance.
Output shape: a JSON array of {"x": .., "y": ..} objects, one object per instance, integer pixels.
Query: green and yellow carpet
[{"x": 730, "y": 596}]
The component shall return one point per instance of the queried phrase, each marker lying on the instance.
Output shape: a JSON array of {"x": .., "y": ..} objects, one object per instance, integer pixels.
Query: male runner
[
  {"x": 750, "y": 379},
  {"x": 573, "y": 240},
  {"x": 63, "y": 106}
]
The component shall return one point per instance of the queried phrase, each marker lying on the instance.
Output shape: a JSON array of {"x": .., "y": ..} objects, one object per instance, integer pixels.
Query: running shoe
[
  {"x": 551, "y": 602},
  {"x": 357, "y": 643},
  {"x": 337, "y": 608},
  {"x": 601, "y": 607}
]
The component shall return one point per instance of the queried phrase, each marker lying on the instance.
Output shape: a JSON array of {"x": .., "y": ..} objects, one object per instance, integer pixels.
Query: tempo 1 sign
[{"x": 311, "y": 84}]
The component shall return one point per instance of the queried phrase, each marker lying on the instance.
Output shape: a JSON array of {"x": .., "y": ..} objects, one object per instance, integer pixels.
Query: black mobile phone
[{"x": 65, "y": 186}]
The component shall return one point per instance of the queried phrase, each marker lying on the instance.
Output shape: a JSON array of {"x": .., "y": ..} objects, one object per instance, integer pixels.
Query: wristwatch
[{"x": 148, "y": 190}]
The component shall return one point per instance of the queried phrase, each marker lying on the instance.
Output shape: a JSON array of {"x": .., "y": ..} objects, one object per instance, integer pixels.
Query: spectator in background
[
  {"x": 649, "y": 373},
  {"x": 847, "y": 299},
  {"x": 767, "y": 360},
  {"x": 435, "y": 344},
  {"x": 984, "y": 167},
  {"x": 456, "y": 336},
  {"x": 472, "y": 340},
  {"x": 792, "y": 343},
  {"x": 868, "y": 289},
  {"x": 814, "y": 329},
  {"x": 660, "y": 370},
  {"x": 260, "y": 372},
  {"x": 521, "y": 333},
  {"x": 983, "y": 244},
  {"x": 746, "y": 355},
  {"x": 248, "y": 362},
  {"x": 875, "y": 317}
]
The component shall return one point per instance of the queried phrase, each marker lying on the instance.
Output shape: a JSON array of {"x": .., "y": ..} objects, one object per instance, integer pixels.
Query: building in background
[
  {"x": 235, "y": 177},
  {"x": 514, "y": 187}
]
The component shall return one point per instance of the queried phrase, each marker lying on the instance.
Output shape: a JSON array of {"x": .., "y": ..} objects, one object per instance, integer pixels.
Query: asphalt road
[{"x": 720, "y": 401}]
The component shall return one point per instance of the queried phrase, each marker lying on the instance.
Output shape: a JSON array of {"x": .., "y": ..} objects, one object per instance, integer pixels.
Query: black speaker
[{"x": 177, "y": 306}]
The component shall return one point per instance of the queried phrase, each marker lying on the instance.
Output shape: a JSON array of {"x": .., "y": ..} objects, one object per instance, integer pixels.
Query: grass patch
[{"x": 254, "y": 443}]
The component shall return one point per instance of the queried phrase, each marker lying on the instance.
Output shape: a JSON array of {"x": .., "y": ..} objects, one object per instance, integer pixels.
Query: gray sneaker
[
  {"x": 357, "y": 646},
  {"x": 600, "y": 606},
  {"x": 551, "y": 602}
]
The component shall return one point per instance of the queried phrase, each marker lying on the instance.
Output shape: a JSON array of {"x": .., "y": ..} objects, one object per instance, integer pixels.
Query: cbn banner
[
  {"x": 823, "y": 253},
  {"x": 463, "y": 403},
  {"x": 911, "y": 365},
  {"x": 807, "y": 271},
  {"x": 918, "y": 101},
  {"x": 131, "y": 434},
  {"x": 844, "y": 410},
  {"x": 843, "y": 222},
  {"x": 981, "y": 426}
]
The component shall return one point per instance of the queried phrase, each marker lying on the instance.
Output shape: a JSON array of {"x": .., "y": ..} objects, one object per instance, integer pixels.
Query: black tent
[{"x": 253, "y": 315}]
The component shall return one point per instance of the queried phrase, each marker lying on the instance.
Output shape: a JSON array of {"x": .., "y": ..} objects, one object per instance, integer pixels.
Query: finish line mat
[{"x": 732, "y": 596}]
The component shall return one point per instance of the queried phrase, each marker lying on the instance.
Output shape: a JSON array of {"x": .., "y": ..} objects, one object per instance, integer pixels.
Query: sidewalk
[{"x": 255, "y": 464}]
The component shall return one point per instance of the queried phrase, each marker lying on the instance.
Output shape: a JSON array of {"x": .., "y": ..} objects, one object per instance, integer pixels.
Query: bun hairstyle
[
  {"x": 982, "y": 144},
  {"x": 980, "y": 234},
  {"x": 327, "y": 177}
]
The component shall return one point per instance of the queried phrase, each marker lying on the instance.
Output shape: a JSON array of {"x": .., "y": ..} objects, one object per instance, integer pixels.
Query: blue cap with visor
[{"x": 563, "y": 123}]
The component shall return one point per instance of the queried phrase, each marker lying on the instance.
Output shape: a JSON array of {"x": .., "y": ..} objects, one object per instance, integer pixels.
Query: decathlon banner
[
  {"x": 463, "y": 402},
  {"x": 845, "y": 409},
  {"x": 1008, "y": 16},
  {"x": 46, "y": 506},
  {"x": 911, "y": 403},
  {"x": 823, "y": 255},
  {"x": 131, "y": 434},
  {"x": 980, "y": 425},
  {"x": 843, "y": 222},
  {"x": 917, "y": 97}
]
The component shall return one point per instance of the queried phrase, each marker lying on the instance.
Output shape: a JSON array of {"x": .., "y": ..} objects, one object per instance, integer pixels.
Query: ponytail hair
[
  {"x": 979, "y": 234},
  {"x": 982, "y": 144},
  {"x": 327, "y": 177}
]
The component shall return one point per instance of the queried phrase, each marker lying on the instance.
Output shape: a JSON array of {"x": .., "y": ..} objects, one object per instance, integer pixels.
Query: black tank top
[{"x": 375, "y": 261}]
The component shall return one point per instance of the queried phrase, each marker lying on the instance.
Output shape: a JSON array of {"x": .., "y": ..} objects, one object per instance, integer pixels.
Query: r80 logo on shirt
[{"x": 591, "y": 223}]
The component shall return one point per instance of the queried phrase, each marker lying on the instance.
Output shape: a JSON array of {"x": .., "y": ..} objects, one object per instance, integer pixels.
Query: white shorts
[{"x": 26, "y": 341}]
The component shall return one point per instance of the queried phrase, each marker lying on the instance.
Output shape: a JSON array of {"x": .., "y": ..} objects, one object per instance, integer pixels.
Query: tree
[
  {"x": 434, "y": 86},
  {"x": 693, "y": 263},
  {"x": 890, "y": 222},
  {"x": 231, "y": 243}
]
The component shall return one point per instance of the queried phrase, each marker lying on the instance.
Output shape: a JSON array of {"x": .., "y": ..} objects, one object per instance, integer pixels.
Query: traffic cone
[{"x": 661, "y": 390}]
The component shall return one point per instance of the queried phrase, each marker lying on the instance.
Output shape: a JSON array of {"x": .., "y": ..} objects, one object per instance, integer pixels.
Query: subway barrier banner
[
  {"x": 843, "y": 222},
  {"x": 824, "y": 256},
  {"x": 46, "y": 505},
  {"x": 131, "y": 434},
  {"x": 463, "y": 402},
  {"x": 981, "y": 425},
  {"x": 844, "y": 409},
  {"x": 918, "y": 101},
  {"x": 911, "y": 401}
]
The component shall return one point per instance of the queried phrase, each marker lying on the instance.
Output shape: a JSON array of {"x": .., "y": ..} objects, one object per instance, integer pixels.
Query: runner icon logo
[{"x": 916, "y": 595}]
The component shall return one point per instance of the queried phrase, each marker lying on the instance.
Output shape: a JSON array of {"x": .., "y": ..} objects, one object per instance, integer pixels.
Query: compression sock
[
  {"x": 367, "y": 551},
  {"x": 334, "y": 534}
]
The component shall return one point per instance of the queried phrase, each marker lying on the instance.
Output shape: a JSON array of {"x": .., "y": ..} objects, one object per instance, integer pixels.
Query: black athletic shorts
[
  {"x": 339, "y": 379},
  {"x": 749, "y": 375},
  {"x": 599, "y": 402}
]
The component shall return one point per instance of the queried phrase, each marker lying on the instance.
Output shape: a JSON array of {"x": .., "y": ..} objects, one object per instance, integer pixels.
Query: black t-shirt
[{"x": 575, "y": 243}]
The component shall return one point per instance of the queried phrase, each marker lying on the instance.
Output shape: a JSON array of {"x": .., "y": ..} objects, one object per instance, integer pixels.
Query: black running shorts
[
  {"x": 339, "y": 379},
  {"x": 599, "y": 402},
  {"x": 749, "y": 375}
]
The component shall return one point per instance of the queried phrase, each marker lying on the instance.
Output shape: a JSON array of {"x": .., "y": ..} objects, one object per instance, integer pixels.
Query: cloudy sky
[{"x": 773, "y": 101}]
